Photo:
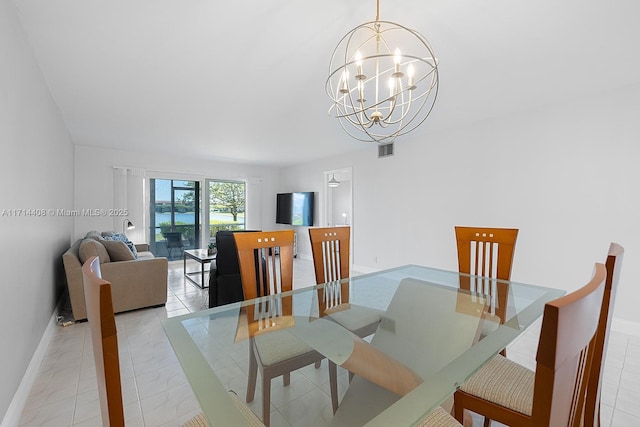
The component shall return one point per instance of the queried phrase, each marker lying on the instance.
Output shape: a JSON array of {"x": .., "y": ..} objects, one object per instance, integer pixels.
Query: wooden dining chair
[
  {"x": 102, "y": 322},
  {"x": 439, "y": 418},
  {"x": 266, "y": 269},
  {"x": 614, "y": 265},
  {"x": 104, "y": 336},
  {"x": 487, "y": 253},
  {"x": 555, "y": 394},
  {"x": 330, "y": 247}
]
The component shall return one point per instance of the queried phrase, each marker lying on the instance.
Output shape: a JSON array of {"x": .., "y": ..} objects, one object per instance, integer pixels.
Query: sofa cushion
[
  {"x": 95, "y": 235},
  {"x": 90, "y": 247},
  {"x": 118, "y": 251},
  {"x": 122, "y": 238},
  {"x": 145, "y": 255}
]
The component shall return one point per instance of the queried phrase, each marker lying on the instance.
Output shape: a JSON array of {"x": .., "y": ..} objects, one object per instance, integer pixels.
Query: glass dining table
[{"x": 438, "y": 327}]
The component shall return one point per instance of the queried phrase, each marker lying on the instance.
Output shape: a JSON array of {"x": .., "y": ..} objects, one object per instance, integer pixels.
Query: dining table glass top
[{"x": 435, "y": 328}]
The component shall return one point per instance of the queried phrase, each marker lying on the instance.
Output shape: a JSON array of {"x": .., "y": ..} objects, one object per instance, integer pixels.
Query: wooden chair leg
[
  {"x": 253, "y": 373},
  {"x": 487, "y": 422},
  {"x": 266, "y": 400},
  {"x": 286, "y": 379},
  {"x": 333, "y": 385}
]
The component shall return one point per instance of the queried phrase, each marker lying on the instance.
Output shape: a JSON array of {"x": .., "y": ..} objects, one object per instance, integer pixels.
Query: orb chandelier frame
[{"x": 383, "y": 80}]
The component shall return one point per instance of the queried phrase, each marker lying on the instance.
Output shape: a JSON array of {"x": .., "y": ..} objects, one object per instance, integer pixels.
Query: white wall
[
  {"x": 567, "y": 176},
  {"x": 341, "y": 203},
  {"x": 94, "y": 186},
  {"x": 36, "y": 171}
]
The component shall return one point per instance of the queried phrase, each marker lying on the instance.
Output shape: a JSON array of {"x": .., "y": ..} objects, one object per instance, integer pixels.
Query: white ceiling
[{"x": 244, "y": 80}]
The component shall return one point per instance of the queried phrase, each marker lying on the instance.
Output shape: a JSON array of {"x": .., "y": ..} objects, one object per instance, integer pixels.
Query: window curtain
[{"x": 129, "y": 202}]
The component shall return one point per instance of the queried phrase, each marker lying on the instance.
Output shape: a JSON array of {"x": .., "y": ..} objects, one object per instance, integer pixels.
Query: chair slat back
[
  {"x": 487, "y": 252},
  {"x": 564, "y": 353},
  {"x": 104, "y": 336},
  {"x": 592, "y": 405},
  {"x": 266, "y": 269},
  {"x": 330, "y": 247}
]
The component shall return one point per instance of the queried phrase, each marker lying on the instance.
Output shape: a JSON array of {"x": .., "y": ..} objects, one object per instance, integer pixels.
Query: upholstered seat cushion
[
  {"x": 505, "y": 383},
  {"x": 277, "y": 346},
  {"x": 353, "y": 317},
  {"x": 439, "y": 418}
]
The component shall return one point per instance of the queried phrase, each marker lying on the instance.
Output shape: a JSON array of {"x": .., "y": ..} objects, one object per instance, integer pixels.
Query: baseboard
[
  {"x": 626, "y": 327},
  {"x": 14, "y": 412}
]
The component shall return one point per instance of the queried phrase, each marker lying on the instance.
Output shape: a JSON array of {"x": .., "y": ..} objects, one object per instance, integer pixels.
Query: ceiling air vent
[{"x": 385, "y": 150}]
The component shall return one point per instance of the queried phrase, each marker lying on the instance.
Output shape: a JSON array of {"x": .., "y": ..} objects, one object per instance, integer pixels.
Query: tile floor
[{"x": 156, "y": 393}]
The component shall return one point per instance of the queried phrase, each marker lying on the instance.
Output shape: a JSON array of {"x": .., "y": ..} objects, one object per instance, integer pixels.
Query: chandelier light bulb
[
  {"x": 397, "y": 59},
  {"x": 359, "y": 59},
  {"x": 410, "y": 73},
  {"x": 392, "y": 87},
  {"x": 345, "y": 82}
]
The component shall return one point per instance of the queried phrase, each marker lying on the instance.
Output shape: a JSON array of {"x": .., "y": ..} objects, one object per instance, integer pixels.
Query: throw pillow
[
  {"x": 118, "y": 251},
  {"x": 122, "y": 238},
  {"x": 90, "y": 247},
  {"x": 95, "y": 235}
]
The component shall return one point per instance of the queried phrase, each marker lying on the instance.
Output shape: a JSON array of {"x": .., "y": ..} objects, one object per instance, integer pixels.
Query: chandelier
[{"x": 383, "y": 80}]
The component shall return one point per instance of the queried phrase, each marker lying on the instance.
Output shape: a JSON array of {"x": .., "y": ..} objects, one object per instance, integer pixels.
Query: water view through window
[
  {"x": 175, "y": 217},
  {"x": 176, "y": 220}
]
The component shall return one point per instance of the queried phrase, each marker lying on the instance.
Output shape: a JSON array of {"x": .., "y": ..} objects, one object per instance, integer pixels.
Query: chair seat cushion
[
  {"x": 353, "y": 317},
  {"x": 505, "y": 383},
  {"x": 274, "y": 347},
  {"x": 439, "y": 418}
]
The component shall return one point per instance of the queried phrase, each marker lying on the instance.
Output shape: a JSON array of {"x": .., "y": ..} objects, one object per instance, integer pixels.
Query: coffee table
[{"x": 202, "y": 257}]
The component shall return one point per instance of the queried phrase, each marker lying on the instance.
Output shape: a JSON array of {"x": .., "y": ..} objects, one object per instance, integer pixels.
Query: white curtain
[{"x": 130, "y": 202}]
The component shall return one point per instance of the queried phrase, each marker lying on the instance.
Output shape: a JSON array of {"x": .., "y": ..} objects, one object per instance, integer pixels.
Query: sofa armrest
[{"x": 142, "y": 247}]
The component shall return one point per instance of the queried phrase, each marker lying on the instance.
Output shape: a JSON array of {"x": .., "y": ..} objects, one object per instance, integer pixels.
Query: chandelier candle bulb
[
  {"x": 397, "y": 59},
  {"x": 345, "y": 83},
  {"x": 410, "y": 74},
  {"x": 359, "y": 74}
]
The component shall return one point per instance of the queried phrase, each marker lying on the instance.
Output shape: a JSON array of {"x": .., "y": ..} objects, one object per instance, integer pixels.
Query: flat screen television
[{"x": 295, "y": 208}]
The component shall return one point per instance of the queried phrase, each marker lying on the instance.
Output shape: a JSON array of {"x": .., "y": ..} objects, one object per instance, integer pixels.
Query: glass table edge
[
  {"x": 410, "y": 410},
  {"x": 214, "y": 399}
]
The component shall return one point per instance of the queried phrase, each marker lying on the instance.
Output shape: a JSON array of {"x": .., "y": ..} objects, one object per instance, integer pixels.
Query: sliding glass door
[
  {"x": 174, "y": 217},
  {"x": 227, "y": 201}
]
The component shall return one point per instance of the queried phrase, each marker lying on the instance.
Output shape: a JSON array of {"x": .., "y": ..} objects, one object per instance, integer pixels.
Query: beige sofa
[{"x": 138, "y": 280}]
